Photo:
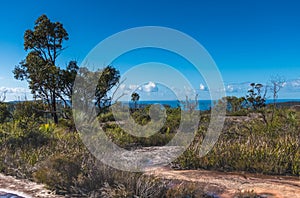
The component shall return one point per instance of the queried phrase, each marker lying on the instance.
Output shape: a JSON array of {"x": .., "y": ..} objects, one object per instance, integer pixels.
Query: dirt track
[
  {"x": 23, "y": 188},
  {"x": 223, "y": 185},
  {"x": 226, "y": 185}
]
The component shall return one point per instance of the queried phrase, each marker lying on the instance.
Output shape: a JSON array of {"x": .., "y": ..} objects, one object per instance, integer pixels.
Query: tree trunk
[{"x": 54, "y": 113}]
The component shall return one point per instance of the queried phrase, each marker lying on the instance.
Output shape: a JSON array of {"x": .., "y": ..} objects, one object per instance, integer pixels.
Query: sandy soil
[
  {"x": 23, "y": 188},
  {"x": 226, "y": 185},
  {"x": 223, "y": 185}
]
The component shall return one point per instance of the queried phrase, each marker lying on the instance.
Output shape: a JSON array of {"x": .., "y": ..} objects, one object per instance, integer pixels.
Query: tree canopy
[{"x": 46, "y": 80}]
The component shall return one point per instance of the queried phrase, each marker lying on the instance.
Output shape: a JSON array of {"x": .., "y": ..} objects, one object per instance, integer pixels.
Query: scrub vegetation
[{"x": 39, "y": 140}]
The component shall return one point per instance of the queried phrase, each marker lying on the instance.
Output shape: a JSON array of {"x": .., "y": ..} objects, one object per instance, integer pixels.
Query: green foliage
[
  {"x": 190, "y": 105},
  {"x": 241, "y": 112},
  {"x": 19, "y": 134},
  {"x": 255, "y": 97},
  {"x": 5, "y": 114},
  {"x": 110, "y": 76},
  {"x": 142, "y": 117},
  {"x": 116, "y": 190},
  {"x": 54, "y": 154},
  {"x": 186, "y": 189},
  {"x": 173, "y": 116},
  {"x": 29, "y": 110},
  {"x": 95, "y": 85},
  {"x": 247, "y": 194},
  {"x": 251, "y": 146},
  {"x": 135, "y": 98},
  {"x": 39, "y": 69},
  {"x": 47, "y": 128},
  {"x": 106, "y": 117},
  {"x": 148, "y": 187},
  {"x": 59, "y": 172},
  {"x": 235, "y": 106},
  {"x": 123, "y": 139}
]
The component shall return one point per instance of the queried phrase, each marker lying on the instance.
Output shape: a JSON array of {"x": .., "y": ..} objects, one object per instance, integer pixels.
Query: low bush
[
  {"x": 34, "y": 148},
  {"x": 59, "y": 172},
  {"x": 251, "y": 146}
]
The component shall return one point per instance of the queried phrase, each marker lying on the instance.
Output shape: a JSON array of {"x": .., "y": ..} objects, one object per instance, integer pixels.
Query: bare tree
[
  {"x": 3, "y": 96},
  {"x": 277, "y": 82}
]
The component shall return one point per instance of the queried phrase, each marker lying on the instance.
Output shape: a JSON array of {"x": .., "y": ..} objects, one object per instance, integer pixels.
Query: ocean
[{"x": 202, "y": 104}]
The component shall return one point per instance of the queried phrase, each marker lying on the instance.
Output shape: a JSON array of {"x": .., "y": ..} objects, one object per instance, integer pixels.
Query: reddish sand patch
[{"x": 226, "y": 185}]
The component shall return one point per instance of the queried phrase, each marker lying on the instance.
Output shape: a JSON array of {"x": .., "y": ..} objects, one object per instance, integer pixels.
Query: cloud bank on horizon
[
  {"x": 152, "y": 91},
  {"x": 232, "y": 89}
]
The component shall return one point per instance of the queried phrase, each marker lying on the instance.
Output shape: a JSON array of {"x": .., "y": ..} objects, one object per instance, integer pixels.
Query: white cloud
[
  {"x": 284, "y": 84},
  {"x": 15, "y": 93},
  {"x": 150, "y": 87},
  {"x": 14, "y": 90},
  {"x": 202, "y": 87},
  {"x": 291, "y": 86},
  {"x": 294, "y": 83},
  {"x": 125, "y": 90},
  {"x": 188, "y": 91},
  {"x": 133, "y": 87},
  {"x": 237, "y": 87},
  {"x": 230, "y": 88}
]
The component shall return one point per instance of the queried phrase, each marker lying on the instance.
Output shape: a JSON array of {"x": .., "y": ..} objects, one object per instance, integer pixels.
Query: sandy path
[
  {"x": 225, "y": 185},
  {"x": 23, "y": 188}
]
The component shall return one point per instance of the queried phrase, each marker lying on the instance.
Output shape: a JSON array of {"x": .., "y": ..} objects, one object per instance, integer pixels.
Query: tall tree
[
  {"x": 66, "y": 82},
  {"x": 44, "y": 45},
  {"x": 86, "y": 91},
  {"x": 109, "y": 77}
]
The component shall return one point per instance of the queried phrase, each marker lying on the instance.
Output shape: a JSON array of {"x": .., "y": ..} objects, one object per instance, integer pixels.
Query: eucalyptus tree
[
  {"x": 44, "y": 44},
  {"x": 95, "y": 86}
]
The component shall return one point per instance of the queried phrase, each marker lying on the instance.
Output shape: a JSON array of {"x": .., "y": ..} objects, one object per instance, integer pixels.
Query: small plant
[
  {"x": 116, "y": 190},
  {"x": 59, "y": 172},
  {"x": 148, "y": 187},
  {"x": 188, "y": 190},
  {"x": 47, "y": 128},
  {"x": 247, "y": 194}
]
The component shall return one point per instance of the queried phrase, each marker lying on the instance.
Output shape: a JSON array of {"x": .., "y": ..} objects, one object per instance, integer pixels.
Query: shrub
[
  {"x": 187, "y": 189},
  {"x": 29, "y": 109},
  {"x": 59, "y": 172},
  {"x": 148, "y": 187},
  {"x": 251, "y": 145},
  {"x": 5, "y": 114}
]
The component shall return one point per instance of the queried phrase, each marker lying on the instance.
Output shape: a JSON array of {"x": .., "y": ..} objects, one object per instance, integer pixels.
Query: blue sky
[{"x": 249, "y": 40}]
